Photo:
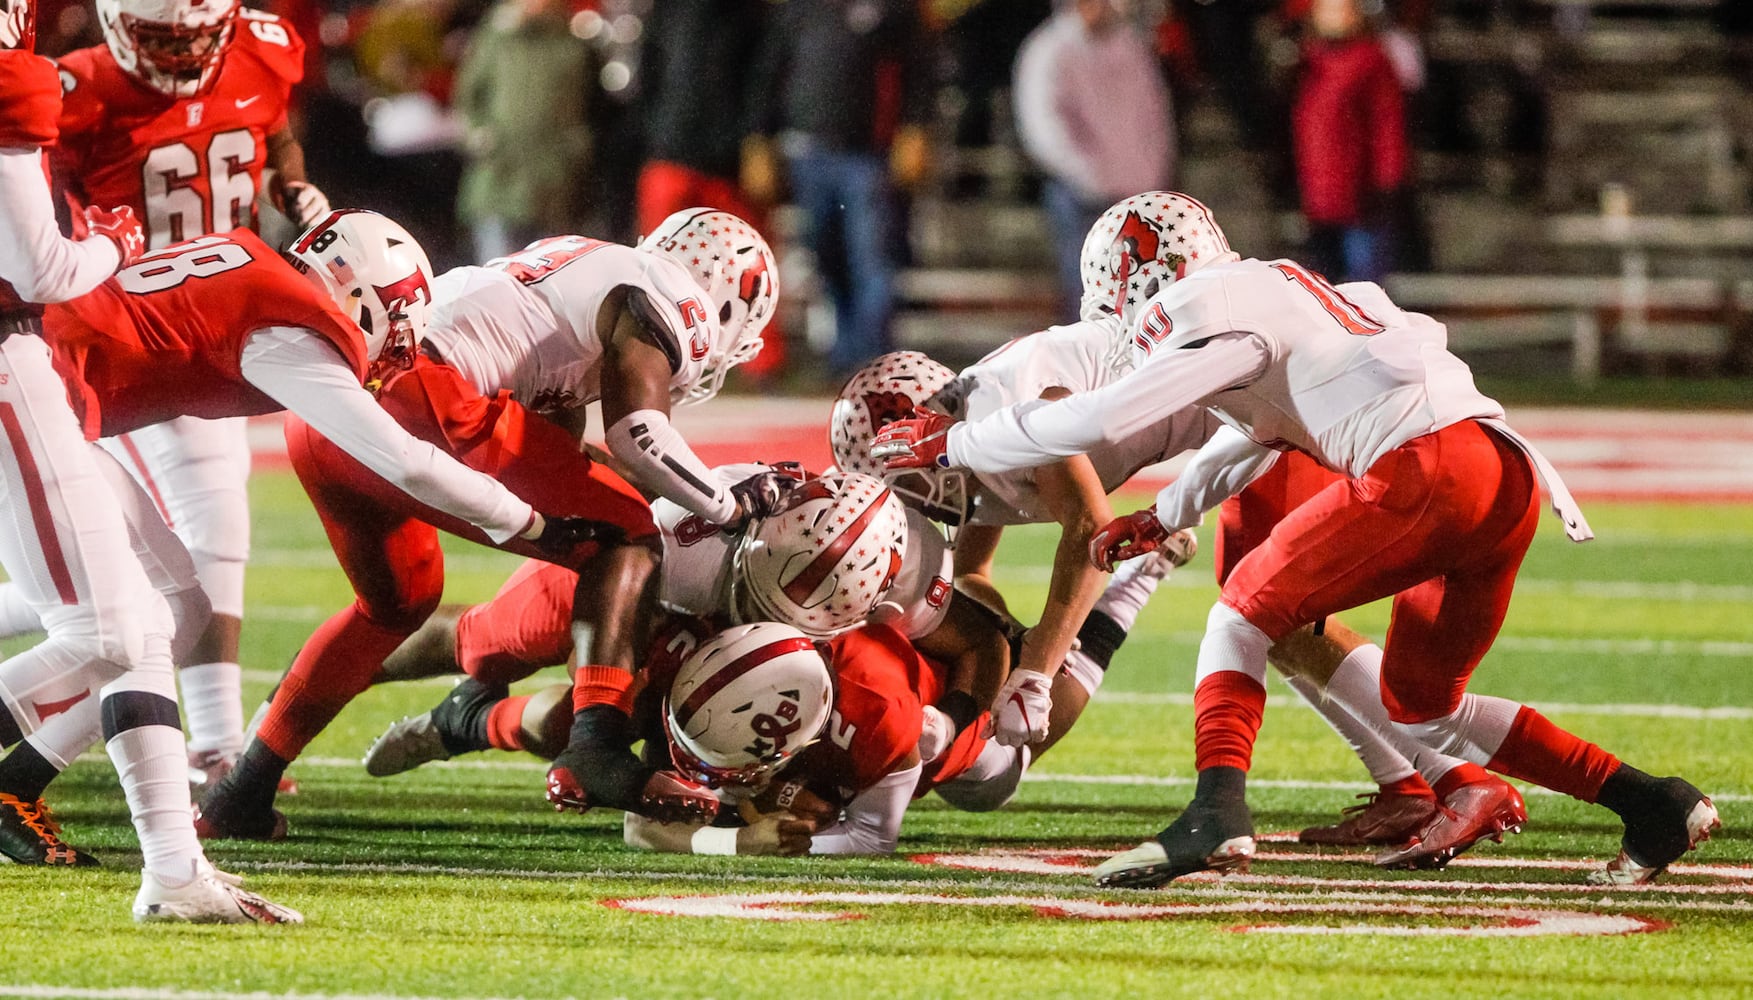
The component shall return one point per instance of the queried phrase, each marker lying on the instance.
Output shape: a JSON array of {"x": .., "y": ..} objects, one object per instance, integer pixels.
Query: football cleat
[
  {"x": 29, "y": 835},
  {"x": 404, "y": 746},
  {"x": 1383, "y": 818},
  {"x": 206, "y": 767},
  {"x": 1207, "y": 836},
  {"x": 1678, "y": 821},
  {"x": 1470, "y": 813},
  {"x": 1176, "y": 551},
  {"x": 211, "y": 897}
]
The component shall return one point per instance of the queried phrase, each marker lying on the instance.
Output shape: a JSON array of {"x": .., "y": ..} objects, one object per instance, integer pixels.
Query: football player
[
  {"x": 1077, "y": 358},
  {"x": 565, "y": 323},
  {"x": 69, "y": 550},
  {"x": 223, "y": 326},
  {"x": 1369, "y": 391},
  {"x": 182, "y": 114}
]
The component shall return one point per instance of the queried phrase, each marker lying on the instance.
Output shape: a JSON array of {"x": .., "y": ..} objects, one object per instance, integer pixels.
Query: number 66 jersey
[{"x": 188, "y": 166}]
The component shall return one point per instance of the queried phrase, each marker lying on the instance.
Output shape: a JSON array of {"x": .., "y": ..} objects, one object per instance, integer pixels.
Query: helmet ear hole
[{"x": 724, "y": 313}]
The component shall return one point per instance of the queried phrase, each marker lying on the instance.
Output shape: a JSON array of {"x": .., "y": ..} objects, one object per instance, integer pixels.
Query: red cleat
[
  {"x": 1384, "y": 818},
  {"x": 1471, "y": 812}
]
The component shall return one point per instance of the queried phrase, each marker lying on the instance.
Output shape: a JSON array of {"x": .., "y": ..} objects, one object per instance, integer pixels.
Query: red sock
[
  {"x": 1412, "y": 786},
  {"x": 602, "y": 686},
  {"x": 1227, "y": 707},
  {"x": 1460, "y": 776},
  {"x": 336, "y": 664},
  {"x": 505, "y": 723},
  {"x": 1538, "y": 751}
]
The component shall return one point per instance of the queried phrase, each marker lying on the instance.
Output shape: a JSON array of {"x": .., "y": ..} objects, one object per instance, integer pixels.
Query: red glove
[
  {"x": 120, "y": 227},
  {"x": 918, "y": 443},
  {"x": 1123, "y": 538}
]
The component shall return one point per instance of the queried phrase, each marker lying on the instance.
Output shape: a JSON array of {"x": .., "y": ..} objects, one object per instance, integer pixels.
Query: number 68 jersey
[
  {"x": 164, "y": 338},
  {"x": 187, "y": 166}
]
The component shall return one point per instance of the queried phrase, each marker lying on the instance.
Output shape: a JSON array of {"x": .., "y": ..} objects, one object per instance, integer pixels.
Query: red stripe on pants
[{"x": 38, "y": 499}]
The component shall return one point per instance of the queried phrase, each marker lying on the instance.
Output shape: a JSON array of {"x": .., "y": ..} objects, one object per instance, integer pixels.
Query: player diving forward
[
  {"x": 1369, "y": 391},
  {"x": 515, "y": 352}
]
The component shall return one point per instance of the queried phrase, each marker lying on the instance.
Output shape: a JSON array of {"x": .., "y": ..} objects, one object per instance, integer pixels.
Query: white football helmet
[
  {"x": 18, "y": 24},
  {"x": 733, "y": 265},
  {"x": 377, "y": 274},
  {"x": 887, "y": 389},
  {"x": 745, "y": 703},
  {"x": 173, "y": 46},
  {"x": 1137, "y": 248},
  {"x": 822, "y": 563}
]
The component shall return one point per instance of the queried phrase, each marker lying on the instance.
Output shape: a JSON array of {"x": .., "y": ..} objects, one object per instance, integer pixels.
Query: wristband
[{"x": 714, "y": 840}]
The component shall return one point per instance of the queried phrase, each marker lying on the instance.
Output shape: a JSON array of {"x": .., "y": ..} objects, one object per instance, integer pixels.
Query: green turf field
[{"x": 458, "y": 881}]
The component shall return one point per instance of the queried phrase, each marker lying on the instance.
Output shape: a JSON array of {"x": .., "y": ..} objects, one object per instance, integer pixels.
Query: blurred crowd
[{"x": 482, "y": 124}]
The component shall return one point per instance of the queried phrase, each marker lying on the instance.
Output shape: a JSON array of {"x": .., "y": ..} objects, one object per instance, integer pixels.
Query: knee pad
[
  {"x": 189, "y": 614},
  {"x": 1231, "y": 642}
]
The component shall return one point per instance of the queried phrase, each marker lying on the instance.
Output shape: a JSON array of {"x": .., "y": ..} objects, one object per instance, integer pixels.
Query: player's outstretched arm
[
  {"x": 1221, "y": 468},
  {"x": 871, "y": 823},
  {"x": 40, "y": 263},
  {"x": 771, "y": 834}
]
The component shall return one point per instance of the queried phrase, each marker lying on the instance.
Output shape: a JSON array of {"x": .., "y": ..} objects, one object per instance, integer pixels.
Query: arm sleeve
[
  {"x": 871, "y": 823},
  {"x": 1035, "y": 432},
  {"x": 658, "y": 458},
  {"x": 40, "y": 263},
  {"x": 1219, "y": 470},
  {"x": 304, "y": 373}
]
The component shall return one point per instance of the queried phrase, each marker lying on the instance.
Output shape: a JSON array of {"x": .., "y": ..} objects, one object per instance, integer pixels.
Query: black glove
[
  {"x": 560, "y": 535},
  {"x": 763, "y": 494}
]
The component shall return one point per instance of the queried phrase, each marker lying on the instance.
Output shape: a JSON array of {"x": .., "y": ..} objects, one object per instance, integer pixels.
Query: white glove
[
  {"x": 936, "y": 735},
  {"x": 1019, "y": 713},
  {"x": 304, "y": 202}
]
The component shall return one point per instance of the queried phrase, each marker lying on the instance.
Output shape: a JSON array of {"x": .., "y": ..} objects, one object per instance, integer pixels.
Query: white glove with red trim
[{"x": 1019, "y": 713}]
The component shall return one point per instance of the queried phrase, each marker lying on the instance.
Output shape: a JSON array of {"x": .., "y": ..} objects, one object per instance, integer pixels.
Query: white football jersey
[
  {"x": 697, "y": 556},
  {"x": 1069, "y": 357},
  {"x": 528, "y": 323},
  {"x": 1350, "y": 375}
]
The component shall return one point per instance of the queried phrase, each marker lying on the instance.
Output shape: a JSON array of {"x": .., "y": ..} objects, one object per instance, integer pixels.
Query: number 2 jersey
[
  {"x": 164, "y": 338},
  {"x": 187, "y": 166},
  {"x": 527, "y": 323}
]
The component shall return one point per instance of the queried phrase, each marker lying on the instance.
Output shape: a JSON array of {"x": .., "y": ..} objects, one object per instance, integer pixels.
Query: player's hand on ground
[
  {"x": 920, "y": 442},
  {"x": 793, "y": 798},
  {"x": 303, "y": 203},
  {"x": 763, "y": 494},
  {"x": 1123, "y": 538},
  {"x": 121, "y": 227},
  {"x": 670, "y": 798},
  {"x": 778, "y": 833},
  {"x": 1019, "y": 713}
]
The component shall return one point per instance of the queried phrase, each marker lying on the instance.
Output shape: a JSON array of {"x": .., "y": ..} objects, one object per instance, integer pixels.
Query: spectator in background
[
  {"x": 524, "y": 91},
  {"x": 842, "y": 90},
  {"x": 694, "y": 104},
  {"x": 1352, "y": 153},
  {"x": 1093, "y": 113}
]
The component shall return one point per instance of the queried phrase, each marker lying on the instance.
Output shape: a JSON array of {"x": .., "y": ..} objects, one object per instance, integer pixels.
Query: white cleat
[
  {"x": 211, "y": 897},
  {"x": 404, "y": 746}
]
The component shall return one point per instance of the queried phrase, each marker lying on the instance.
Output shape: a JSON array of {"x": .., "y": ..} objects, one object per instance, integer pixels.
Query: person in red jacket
[{"x": 1353, "y": 158}]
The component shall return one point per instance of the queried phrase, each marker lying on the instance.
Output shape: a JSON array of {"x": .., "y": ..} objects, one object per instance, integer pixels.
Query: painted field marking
[
  {"x": 149, "y": 993},
  {"x": 1484, "y": 921}
]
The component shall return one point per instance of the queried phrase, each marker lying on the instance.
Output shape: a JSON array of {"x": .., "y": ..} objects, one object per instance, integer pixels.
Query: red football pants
[
  {"x": 1246, "y": 519},
  {"x": 387, "y": 542},
  {"x": 1441, "y": 524},
  {"x": 525, "y": 627}
]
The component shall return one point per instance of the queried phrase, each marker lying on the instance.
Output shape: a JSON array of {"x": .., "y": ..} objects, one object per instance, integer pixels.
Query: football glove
[
  {"x": 917, "y": 443},
  {"x": 1123, "y": 538},
  {"x": 763, "y": 494},
  {"x": 1019, "y": 713},
  {"x": 558, "y": 536},
  {"x": 938, "y": 732},
  {"x": 303, "y": 203},
  {"x": 121, "y": 227}
]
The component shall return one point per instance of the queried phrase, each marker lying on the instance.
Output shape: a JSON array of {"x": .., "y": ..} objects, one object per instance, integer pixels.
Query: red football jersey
[
  {"x": 187, "y": 166},
  {"x": 30, "y": 101},
  {"x": 164, "y": 337},
  {"x": 877, "y": 712}
]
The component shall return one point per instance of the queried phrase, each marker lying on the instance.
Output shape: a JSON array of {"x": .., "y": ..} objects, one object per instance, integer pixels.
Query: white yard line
[{"x": 148, "y": 993}]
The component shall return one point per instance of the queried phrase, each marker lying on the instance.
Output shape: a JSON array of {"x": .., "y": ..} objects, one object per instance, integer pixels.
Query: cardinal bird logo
[{"x": 1138, "y": 243}]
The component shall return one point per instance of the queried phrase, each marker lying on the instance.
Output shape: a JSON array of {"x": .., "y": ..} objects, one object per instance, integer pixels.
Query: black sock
[
  {"x": 256, "y": 778},
  {"x": 24, "y": 773},
  {"x": 461, "y": 717},
  {"x": 1217, "y": 783},
  {"x": 1626, "y": 791},
  {"x": 1100, "y": 637},
  {"x": 9, "y": 731}
]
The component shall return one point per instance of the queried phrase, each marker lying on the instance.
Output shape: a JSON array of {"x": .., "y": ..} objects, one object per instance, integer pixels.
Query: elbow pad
[{"x": 656, "y": 454}]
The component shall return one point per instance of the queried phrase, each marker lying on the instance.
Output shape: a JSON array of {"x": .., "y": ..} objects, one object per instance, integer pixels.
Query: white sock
[
  {"x": 153, "y": 765},
  {"x": 1473, "y": 731},
  {"x": 1084, "y": 671},
  {"x": 1385, "y": 764},
  {"x": 1357, "y": 686},
  {"x": 1231, "y": 642},
  {"x": 213, "y": 704},
  {"x": 1127, "y": 593}
]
